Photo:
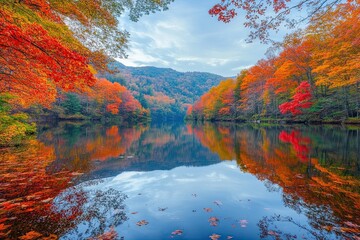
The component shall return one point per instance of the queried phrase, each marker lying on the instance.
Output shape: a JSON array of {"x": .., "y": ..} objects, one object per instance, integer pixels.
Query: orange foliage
[
  {"x": 336, "y": 47},
  {"x": 159, "y": 98},
  {"x": 219, "y": 100},
  {"x": 108, "y": 94}
]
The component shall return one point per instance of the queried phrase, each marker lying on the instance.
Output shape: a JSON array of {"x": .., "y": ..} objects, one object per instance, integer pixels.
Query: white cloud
[
  {"x": 241, "y": 68},
  {"x": 187, "y": 38}
]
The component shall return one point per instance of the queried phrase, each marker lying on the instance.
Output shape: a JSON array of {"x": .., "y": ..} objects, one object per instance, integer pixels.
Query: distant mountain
[{"x": 166, "y": 92}]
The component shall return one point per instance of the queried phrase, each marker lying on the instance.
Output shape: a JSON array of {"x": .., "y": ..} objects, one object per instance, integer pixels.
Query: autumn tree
[
  {"x": 253, "y": 87},
  {"x": 115, "y": 99},
  {"x": 72, "y": 104},
  {"x": 336, "y": 54},
  {"x": 301, "y": 100},
  {"x": 107, "y": 95},
  {"x": 217, "y": 103}
]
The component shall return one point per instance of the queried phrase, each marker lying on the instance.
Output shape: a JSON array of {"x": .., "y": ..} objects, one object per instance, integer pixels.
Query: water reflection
[
  {"x": 102, "y": 151},
  {"x": 274, "y": 182},
  {"x": 316, "y": 167},
  {"x": 27, "y": 191},
  {"x": 198, "y": 201},
  {"x": 79, "y": 146}
]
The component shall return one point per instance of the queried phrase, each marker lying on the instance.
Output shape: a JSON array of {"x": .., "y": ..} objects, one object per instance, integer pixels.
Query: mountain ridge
[{"x": 165, "y": 91}]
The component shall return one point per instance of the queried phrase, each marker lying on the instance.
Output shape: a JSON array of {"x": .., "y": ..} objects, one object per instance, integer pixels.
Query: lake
[{"x": 182, "y": 181}]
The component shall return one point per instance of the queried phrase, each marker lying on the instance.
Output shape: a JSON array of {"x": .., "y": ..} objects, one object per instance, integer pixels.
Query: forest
[
  {"x": 313, "y": 75},
  {"x": 52, "y": 53},
  {"x": 166, "y": 93},
  {"x": 56, "y": 56}
]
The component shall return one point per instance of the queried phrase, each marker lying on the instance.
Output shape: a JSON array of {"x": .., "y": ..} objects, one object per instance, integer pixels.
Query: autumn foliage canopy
[{"x": 313, "y": 74}]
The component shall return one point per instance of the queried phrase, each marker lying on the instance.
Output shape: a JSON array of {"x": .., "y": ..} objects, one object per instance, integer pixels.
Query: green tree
[{"x": 72, "y": 104}]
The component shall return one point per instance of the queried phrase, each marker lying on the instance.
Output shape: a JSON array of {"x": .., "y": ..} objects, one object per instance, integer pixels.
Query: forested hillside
[
  {"x": 313, "y": 75},
  {"x": 165, "y": 92}
]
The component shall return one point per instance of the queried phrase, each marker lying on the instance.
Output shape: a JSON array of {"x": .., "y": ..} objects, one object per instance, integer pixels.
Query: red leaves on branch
[
  {"x": 35, "y": 63},
  {"x": 224, "y": 14},
  {"x": 301, "y": 100}
]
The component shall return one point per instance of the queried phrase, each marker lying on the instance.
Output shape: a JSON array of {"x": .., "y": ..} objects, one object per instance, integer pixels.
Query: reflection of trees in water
[
  {"x": 318, "y": 179},
  {"x": 27, "y": 190},
  {"x": 77, "y": 146},
  {"x": 96, "y": 211},
  {"x": 268, "y": 226},
  {"x": 161, "y": 147}
]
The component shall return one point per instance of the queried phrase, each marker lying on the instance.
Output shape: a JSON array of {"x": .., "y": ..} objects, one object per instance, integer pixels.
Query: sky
[{"x": 186, "y": 38}]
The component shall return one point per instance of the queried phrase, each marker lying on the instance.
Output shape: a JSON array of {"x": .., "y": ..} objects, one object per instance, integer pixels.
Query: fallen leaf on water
[
  {"x": 327, "y": 228},
  {"x": 76, "y": 173},
  {"x": 47, "y": 200},
  {"x": 29, "y": 210},
  {"x": 243, "y": 223},
  {"x": 350, "y": 224},
  {"x": 273, "y": 233},
  {"x": 177, "y": 232},
  {"x": 214, "y": 236},
  {"x": 9, "y": 205},
  {"x": 350, "y": 230},
  {"x": 214, "y": 221},
  {"x": 53, "y": 237},
  {"x": 3, "y": 226},
  {"x": 217, "y": 202},
  {"x": 142, "y": 222},
  {"x": 109, "y": 235},
  {"x": 3, "y": 220},
  {"x": 30, "y": 235},
  {"x": 207, "y": 209}
]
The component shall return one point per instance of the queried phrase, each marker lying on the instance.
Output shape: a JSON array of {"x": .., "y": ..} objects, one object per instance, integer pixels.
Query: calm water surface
[{"x": 178, "y": 181}]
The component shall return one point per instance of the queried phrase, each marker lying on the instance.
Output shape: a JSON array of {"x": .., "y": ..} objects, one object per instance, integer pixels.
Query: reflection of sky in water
[{"x": 176, "y": 199}]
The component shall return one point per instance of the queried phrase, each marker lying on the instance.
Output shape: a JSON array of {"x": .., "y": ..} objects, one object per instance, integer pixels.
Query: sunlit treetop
[{"x": 264, "y": 16}]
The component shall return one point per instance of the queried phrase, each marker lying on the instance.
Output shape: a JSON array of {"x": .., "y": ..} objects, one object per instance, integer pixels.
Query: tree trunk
[
  {"x": 358, "y": 99},
  {"x": 311, "y": 82},
  {"x": 346, "y": 100}
]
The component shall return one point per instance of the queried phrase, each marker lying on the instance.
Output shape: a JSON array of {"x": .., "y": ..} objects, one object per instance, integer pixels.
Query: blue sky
[{"x": 187, "y": 38}]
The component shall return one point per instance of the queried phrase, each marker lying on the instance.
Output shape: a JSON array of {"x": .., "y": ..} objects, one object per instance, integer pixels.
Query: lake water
[{"x": 182, "y": 181}]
